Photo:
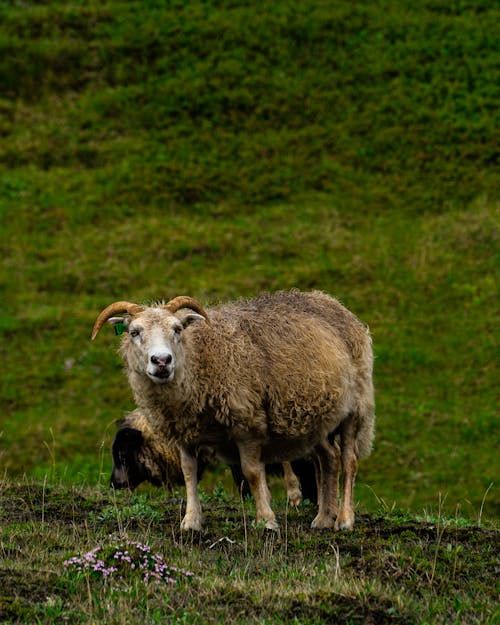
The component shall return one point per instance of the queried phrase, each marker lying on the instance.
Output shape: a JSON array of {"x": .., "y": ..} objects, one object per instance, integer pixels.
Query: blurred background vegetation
[{"x": 219, "y": 149}]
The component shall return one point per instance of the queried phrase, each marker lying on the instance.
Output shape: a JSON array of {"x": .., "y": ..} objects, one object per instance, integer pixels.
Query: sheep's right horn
[
  {"x": 184, "y": 301},
  {"x": 115, "y": 309}
]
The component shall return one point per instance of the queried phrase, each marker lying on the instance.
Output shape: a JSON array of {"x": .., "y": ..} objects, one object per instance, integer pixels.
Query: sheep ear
[
  {"x": 120, "y": 324},
  {"x": 190, "y": 318}
]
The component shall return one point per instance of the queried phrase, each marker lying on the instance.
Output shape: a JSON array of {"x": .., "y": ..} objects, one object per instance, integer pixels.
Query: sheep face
[
  {"x": 153, "y": 345},
  {"x": 140, "y": 455},
  {"x": 128, "y": 469}
]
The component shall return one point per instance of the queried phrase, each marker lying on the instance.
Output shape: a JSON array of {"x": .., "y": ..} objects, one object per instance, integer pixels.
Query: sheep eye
[
  {"x": 134, "y": 333},
  {"x": 177, "y": 330}
]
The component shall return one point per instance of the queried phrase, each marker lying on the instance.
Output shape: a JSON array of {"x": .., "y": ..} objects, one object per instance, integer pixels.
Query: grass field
[
  {"x": 391, "y": 569},
  {"x": 219, "y": 149}
]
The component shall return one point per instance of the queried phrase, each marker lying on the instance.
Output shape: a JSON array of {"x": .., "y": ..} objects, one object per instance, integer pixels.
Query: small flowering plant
[{"x": 125, "y": 561}]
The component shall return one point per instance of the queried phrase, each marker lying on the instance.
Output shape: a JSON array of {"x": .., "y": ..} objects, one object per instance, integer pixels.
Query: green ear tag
[{"x": 119, "y": 328}]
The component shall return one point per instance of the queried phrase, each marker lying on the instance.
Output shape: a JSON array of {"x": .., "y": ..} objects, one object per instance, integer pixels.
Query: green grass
[
  {"x": 390, "y": 569},
  {"x": 218, "y": 150},
  {"x": 424, "y": 284},
  {"x": 179, "y": 104}
]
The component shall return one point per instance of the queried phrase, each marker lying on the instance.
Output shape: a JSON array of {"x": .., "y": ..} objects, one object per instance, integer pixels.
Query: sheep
[
  {"x": 258, "y": 381},
  {"x": 140, "y": 454}
]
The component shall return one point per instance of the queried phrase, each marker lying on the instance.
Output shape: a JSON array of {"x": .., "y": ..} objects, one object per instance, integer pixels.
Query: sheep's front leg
[
  {"x": 189, "y": 465},
  {"x": 254, "y": 471}
]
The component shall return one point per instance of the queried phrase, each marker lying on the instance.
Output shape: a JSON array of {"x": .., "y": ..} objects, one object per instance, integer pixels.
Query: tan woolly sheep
[{"x": 258, "y": 381}]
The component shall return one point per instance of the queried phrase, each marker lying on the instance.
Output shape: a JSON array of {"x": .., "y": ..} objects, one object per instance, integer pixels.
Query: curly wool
[{"x": 287, "y": 367}]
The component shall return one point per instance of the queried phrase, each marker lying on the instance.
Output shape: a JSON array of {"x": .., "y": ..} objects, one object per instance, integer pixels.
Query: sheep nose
[{"x": 161, "y": 361}]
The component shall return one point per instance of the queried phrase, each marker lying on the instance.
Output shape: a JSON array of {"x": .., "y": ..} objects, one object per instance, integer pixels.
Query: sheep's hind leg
[
  {"x": 292, "y": 484},
  {"x": 192, "y": 518},
  {"x": 327, "y": 467},
  {"x": 255, "y": 473},
  {"x": 345, "y": 518}
]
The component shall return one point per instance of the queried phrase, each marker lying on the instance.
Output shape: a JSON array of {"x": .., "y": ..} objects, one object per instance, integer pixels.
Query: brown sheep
[{"x": 258, "y": 381}]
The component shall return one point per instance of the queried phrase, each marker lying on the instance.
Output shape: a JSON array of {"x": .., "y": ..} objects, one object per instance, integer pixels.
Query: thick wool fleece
[{"x": 284, "y": 368}]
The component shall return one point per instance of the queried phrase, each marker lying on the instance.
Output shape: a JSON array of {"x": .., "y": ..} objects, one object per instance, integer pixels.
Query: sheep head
[
  {"x": 140, "y": 454},
  {"x": 153, "y": 342},
  {"x": 128, "y": 471}
]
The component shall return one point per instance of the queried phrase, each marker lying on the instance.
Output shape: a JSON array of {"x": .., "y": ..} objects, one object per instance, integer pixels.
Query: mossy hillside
[
  {"x": 177, "y": 103},
  {"x": 433, "y": 337},
  {"x": 218, "y": 151}
]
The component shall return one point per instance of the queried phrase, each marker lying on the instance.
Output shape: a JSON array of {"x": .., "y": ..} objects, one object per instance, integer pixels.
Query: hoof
[
  {"x": 272, "y": 525},
  {"x": 191, "y": 524},
  {"x": 344, "y": 524},
  {"x": 322, "y": 523},
  {"x": 295, "y": 499}
]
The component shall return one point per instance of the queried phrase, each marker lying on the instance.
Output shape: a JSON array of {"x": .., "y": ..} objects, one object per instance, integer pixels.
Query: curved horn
[
  {"x": 184, "y": 301},
  {"x": 114, "y": 309}
]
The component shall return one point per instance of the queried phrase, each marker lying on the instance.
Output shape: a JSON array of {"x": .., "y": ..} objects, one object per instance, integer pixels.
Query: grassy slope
[{"x": 215, "y": 150}]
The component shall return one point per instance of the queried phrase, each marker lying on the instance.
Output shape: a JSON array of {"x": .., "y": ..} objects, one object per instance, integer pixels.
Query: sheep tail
[{"x": 365, "y": 433}]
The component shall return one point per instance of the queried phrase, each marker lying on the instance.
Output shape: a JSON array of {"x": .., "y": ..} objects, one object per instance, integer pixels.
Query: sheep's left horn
[
  {"x": 184, "y": 301},
  {"x": 115, "y": 309}
]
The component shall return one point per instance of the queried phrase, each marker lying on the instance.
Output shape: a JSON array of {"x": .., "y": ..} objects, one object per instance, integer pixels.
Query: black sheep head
[{"x": 129, "y": 468}]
